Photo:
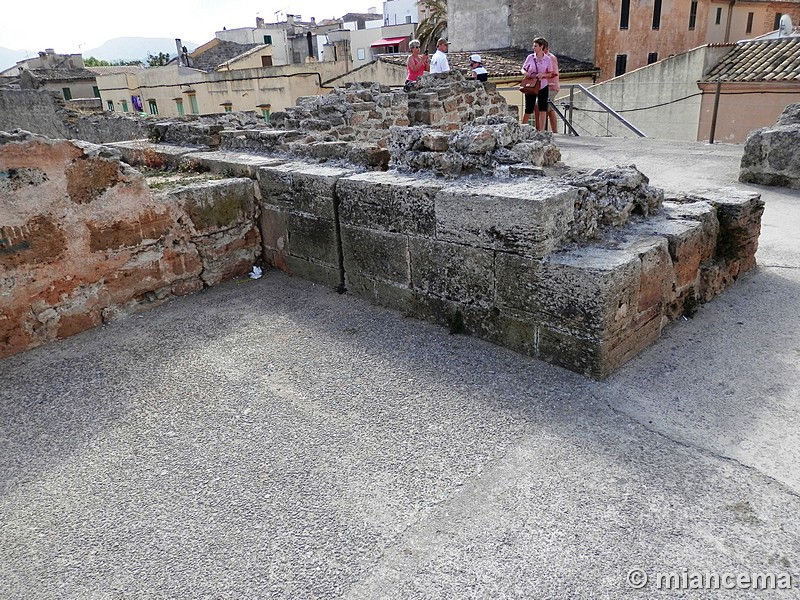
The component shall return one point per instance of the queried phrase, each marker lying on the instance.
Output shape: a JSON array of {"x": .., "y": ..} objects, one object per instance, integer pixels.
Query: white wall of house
[
  {"x": 398, "y": 12},
  {"x": 663, "y": 100}
]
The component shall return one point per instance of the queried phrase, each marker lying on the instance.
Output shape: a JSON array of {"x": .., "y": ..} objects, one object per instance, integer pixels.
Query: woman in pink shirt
[
  {"x": 540, "y": 66},
  {"x": 415, "y": 64}
]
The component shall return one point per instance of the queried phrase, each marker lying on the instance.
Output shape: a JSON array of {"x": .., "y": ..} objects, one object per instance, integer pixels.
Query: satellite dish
[{"x": 785, "y": 28}]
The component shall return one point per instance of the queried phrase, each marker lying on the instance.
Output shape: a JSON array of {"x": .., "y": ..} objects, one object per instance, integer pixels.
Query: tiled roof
[
  {"x": 214, "y": 56},
  {"x": 505, "y": 62},
  {"x": 244, "y": 54},
  {"x": 61, "y": 74},
  {"x": 115, "y": 70},
  {"x": 763, "y": 60},
  {"x": 353, "y": 17}
]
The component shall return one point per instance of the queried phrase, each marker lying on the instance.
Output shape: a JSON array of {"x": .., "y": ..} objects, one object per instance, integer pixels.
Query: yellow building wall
[{"x": 240, "y": 89}]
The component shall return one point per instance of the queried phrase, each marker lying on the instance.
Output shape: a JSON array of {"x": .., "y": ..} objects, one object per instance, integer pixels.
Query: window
[
  {"x": 657, "y": 14},
  {"x": 67, "y": 93},
  {"x": 96, "y": 91},
  {"x": 624, "y": 14},
  {"x": 777, "y": 24},
  {"x": 693, "y": 15},
  {"x": 362, "y": 54},
  {"x": 622, "y": 64},
  {"x": 124, "y": 104},
  {"x": 268, "y": 40},
  {"x": 652, "y": 57},
  {"x": 265, "y": 110},
  {"x": 749, "y": 23},
  {"x": 193, "y": 104},
  {"x": 718, "y": 18},
  {"x": 111, "y": 105},
  {"x": 227, "y": 106},
  {"x": 153, "y": 107},
  {"x": 179, "y": 106},
  {"x": 408, "y": 19},
  {"x": 266, "y": 61}
]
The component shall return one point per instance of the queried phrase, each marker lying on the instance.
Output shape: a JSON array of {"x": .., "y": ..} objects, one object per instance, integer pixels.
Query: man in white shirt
[{"x": 439, "y": 62}]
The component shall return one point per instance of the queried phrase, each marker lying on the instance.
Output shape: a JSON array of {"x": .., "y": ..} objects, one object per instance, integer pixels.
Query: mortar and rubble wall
[{"x": 582, "y": 271}]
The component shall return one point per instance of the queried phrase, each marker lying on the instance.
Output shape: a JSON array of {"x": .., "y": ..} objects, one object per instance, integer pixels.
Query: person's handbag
[{"x": 530, "y": 85}]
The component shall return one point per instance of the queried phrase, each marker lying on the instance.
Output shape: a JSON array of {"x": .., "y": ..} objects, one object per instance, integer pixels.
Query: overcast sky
[{"x": 72, "y": 27}]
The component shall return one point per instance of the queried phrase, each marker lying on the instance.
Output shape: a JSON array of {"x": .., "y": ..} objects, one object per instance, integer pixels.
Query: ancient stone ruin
[
  {"x": 477, "y": 227},
  {"x": 772, "y": 154}
]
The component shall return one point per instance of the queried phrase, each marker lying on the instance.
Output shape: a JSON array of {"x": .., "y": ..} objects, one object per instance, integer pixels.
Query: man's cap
[
  {"x": 475, "y": 58},
  {"x": 442, "y": 41}
]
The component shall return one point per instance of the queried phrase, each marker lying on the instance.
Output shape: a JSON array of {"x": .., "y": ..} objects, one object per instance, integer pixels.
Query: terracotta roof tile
[{"x": 760, "y": 60}]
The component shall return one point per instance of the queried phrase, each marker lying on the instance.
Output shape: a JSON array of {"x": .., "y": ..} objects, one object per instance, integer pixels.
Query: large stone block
[
  {"x": 772, "y": 154},
  {"x": 232, "y": 164},
  {"x": 301, "y": 187},
  {"x": 529, "y": 217},
  {"x": 375, "y": 255},
  {"x": 388, "y": 202},
  {"x": 312, "y": 238},
  {"x": 214, "y": 206},
  {"x": 452, "y": 271},
  {"x": 589, "y": 292}
]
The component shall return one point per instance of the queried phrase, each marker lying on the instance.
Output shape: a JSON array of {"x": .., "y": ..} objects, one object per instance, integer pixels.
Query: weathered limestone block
[
  {"x": 389, "y": 202},
  {"x": 145, "y": 153},
  {"x": 375, "y": 255},
  {"x": 452, "y": 271},
  {"x": 233, "y": 164},
  {"x": 529, "y": 217},
  {"x": 739, "y": 218},
  {"x": 772, "y": 154},
  {"x": 299, "y": 219},
  {"x": 187, "y": 133},
  {"x": 259, "y": 140},
  {"x": 611, "y": 196},
  {"x": 301, "y": 187},
  {"x": 221, "y": 217}
]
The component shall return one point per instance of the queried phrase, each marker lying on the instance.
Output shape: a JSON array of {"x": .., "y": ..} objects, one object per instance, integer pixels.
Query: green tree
[
  {"x": 126, "y": 63},
  {"x": 96, "y": 62},
  {"x": 432, "y": 27},
  {"x": 157, "y": 60}
]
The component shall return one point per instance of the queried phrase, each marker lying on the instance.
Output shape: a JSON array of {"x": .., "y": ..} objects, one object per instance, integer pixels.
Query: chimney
[
  {"x": 290, "y": 19},
  {"x": 259, "y": 23},
  {"x": 181, "y": 55}
]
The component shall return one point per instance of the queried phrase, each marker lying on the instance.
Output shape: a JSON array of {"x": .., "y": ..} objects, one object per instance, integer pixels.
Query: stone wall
[
  {"x": 772, "y": 154},
  {"x": 83, "y": 239},
  {"x": 583, "y": 271},
  {"x": 579, "y": 269}
]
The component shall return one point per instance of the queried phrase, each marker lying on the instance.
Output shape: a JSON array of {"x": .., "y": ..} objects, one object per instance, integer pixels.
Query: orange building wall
[
  {"x": 763, "y": 19},
  {"x": 742, "y": 108},
  {"x": 640, "y": 39}
]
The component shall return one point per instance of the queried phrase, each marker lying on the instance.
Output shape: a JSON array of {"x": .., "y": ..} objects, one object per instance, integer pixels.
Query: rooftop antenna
[{"x": 785, "y": 28}]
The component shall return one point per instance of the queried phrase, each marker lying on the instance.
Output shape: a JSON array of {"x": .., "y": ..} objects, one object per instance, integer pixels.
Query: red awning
[{"x": 389, "y": 41}]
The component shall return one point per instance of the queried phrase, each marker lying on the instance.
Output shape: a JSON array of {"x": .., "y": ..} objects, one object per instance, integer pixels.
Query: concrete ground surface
[{"x": 273, "y": 439}]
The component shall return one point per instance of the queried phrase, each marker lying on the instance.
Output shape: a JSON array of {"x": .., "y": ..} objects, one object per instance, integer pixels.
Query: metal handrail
[{"x": 603, "y": 105}]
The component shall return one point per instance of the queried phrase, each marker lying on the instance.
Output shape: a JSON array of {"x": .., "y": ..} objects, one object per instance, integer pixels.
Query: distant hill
[
  {"x": 8, "y": 57},
  {"x": 135, "y": 48}
]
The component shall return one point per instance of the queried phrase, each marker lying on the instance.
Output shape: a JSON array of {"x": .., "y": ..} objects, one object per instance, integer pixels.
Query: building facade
[{"x": 616, "y": 35}]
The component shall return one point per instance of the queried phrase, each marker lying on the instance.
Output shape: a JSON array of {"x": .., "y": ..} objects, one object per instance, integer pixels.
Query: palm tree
[{"x": 433, "y": 26}]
